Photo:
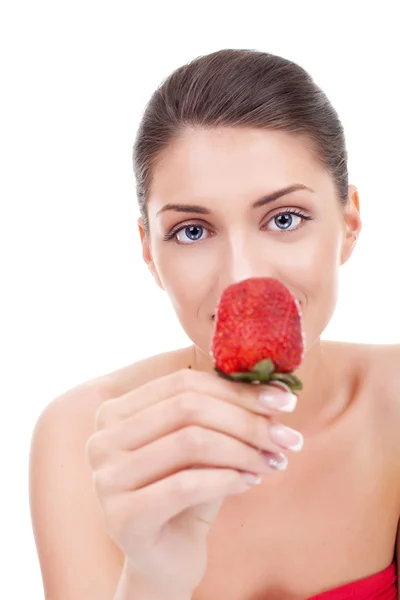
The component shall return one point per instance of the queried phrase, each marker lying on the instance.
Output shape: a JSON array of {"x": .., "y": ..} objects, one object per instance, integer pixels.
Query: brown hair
[{"x": 239, "y": 88}]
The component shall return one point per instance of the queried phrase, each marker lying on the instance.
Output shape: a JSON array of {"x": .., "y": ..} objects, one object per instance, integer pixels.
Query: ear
[
  {"x": 352, "y": 224},
  {"x": 146, "y": 253}
]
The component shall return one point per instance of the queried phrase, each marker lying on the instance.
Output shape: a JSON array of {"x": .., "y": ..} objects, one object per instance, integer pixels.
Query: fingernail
[
  {"x": 281, "y": 400},
  {"x": 286, "y": 437},
  {"x": 277, "y": 461},
  {"x": 251, "y": 478}
]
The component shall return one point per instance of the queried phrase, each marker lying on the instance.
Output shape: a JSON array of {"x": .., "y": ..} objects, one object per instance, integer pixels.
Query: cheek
[
  {"x": 318, "y": 282},
  {"x": 315, "y": 261},
  {"x": 187, "y": 290},
  {"x": 184, "y": 284},
  {"x": 326, "y": 262}
]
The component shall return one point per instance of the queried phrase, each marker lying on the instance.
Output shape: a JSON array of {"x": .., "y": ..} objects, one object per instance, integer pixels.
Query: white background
[{"x": 75, "y": 298}]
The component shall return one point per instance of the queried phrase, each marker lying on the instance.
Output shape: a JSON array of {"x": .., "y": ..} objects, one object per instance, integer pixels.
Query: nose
[{"x": 243, "y": 260}]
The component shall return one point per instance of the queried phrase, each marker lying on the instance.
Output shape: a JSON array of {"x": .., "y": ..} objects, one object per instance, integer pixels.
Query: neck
[{"x": 319, "y": 402}]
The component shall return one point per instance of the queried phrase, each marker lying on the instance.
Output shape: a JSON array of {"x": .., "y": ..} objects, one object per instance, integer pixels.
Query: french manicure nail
[
  {"x": 286, "y": 437},
  {"x": 277, "y": 461},
  {"x": 284, "y": 401},
  {"x": 251, "y": 478}
]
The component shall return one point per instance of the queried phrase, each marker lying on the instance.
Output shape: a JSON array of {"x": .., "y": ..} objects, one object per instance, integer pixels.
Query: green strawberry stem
[{"x": 264, "y": 372}]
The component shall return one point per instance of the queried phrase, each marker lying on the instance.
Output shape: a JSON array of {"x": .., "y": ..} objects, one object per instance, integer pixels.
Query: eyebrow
[{"x": 201, "y": 210}]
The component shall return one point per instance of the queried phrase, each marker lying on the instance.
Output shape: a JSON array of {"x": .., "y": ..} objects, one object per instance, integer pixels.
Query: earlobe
[
  {"x": 146, "y": 253},
  {"x": 347, "y": 249}
]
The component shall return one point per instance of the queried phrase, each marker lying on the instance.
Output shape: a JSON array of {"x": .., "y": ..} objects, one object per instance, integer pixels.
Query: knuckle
[
  {"x": 193, "y": 441},
  {"x": 102, "y": 416},
  {"x": 187, "y": 406},
  {"x": 92, "y": 449},
  {"x": 186, "y": 379},
  {"x": 97, "y": 448},
  {"x": 101, "y": 482},
  {"x": 110, "y": 479},
  {"x": 185, "y": 485}
]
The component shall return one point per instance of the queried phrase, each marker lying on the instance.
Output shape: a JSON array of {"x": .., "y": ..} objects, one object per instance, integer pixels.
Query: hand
[{"x": 165, "y": 455}]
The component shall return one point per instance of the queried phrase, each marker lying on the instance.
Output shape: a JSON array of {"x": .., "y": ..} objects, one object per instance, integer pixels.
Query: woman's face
[{"x": 212, "y": 223}]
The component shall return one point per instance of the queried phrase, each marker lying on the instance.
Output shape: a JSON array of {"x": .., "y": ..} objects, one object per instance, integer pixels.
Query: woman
[{"x": 241, "y": 171}]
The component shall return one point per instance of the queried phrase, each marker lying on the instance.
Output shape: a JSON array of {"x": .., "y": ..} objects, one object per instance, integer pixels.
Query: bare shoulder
[
  {"x": 384, "y": 378},
  {"x": 78, "y": 405},
  {"x": 77, "y": 557},
  {"x": 377, "y": 370},
  {"x": 379, "y": 365},
  {"x": 375, "y": 364},
  {"x": 137, "y": 374}
]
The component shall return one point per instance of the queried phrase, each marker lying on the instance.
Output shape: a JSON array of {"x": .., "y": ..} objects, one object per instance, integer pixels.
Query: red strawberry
[{"x": 258, "y": 333}]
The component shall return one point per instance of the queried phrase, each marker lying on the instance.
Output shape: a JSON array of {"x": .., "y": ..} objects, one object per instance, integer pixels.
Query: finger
[
  {"x": 182, "y": 411},
  {"x": 188, "y": 447},
  {"x": 180, "y": 491},
  {"x": 257, "y": 398}
]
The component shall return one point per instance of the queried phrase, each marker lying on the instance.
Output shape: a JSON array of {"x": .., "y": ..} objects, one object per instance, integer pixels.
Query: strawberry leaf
[
  {"x": 265, "y": 368},
  {"x": 291, "y": 380}
]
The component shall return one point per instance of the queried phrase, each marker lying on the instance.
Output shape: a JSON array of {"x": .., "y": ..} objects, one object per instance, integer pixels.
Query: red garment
[{"x": 381, "y": 586}]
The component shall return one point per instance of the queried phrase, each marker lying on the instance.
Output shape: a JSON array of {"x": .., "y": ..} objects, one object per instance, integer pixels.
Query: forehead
[{"x": 216, "y": 160}]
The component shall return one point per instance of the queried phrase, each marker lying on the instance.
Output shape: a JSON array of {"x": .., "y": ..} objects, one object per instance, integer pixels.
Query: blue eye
[
  {"x": 192, "y": 233},
  {"x": 188, "y": 234},
  {"x": 284, "y": 220}
]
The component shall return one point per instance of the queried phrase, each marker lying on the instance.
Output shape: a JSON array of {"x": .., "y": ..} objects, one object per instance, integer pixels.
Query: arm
[{"x": 78, "y": 560}]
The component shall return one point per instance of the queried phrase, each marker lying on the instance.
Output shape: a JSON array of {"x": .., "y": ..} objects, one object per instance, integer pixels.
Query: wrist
[{"x": 133, "y": 586}]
